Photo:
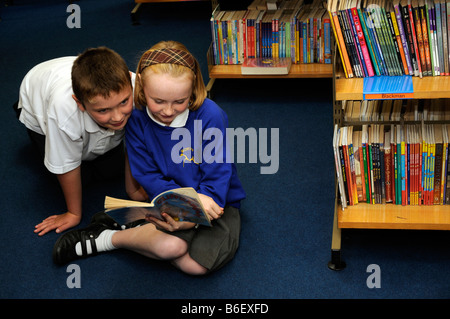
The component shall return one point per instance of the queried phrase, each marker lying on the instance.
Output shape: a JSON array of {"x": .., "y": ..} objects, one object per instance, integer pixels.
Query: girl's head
[{"x": 169, "y": 77}]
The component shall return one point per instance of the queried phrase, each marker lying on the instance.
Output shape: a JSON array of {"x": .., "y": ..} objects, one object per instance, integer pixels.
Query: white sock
[{"x": 103, "y": 243}]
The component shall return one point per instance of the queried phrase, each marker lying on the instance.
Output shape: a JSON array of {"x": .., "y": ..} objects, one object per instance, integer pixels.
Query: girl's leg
[
  {"x": 150, "y": 242},
  {"x": 188, "y": 265}
]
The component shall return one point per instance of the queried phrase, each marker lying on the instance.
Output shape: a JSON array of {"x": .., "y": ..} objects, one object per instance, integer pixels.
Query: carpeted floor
[{"x": 286, "y": 219}]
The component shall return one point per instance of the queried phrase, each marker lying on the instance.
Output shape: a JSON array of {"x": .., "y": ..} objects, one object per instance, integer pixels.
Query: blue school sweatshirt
[{"x": 162, "y": 158}]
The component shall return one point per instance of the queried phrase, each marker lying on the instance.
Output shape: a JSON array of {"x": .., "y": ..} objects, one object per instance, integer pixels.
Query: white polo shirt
[{"x": 48, "y": 108}]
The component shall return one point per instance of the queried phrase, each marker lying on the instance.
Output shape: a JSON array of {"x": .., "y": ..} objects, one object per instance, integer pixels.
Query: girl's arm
[
  {"x": 141, "y": 162},
  {"x": 134, "y": 190}
]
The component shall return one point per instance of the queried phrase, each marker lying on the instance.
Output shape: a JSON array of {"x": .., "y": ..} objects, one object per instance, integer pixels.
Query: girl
[{"x": 170, "y": 98}]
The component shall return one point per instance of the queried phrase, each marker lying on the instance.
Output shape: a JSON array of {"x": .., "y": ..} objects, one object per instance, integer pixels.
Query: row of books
[
  {"x": 396, "y": 110},
  {"x": 299, "y": 31},
  {"x": 398, "y": 164},
  {"x": 389, "y": 37}
]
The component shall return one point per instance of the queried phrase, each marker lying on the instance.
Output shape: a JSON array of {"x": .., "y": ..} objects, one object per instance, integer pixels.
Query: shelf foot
[{"x": 336, "y": 263}]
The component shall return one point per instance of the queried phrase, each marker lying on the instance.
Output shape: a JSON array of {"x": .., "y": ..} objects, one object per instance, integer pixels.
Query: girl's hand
[
  {"x": 169, "y": 224},
  {"x": 212, "y": 209}
]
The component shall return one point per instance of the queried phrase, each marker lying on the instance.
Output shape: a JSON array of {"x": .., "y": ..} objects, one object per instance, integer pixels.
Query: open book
[{"x": 182, "y": 204}]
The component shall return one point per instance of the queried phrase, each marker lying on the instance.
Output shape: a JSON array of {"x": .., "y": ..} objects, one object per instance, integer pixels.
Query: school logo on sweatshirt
[{"x": 187, "y": 156}]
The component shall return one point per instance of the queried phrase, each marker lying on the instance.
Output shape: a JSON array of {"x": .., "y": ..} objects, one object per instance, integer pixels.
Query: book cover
[
  {"x": 362, "y": 41},
  {"x": 260, "y": 66},
  {"x": 388, "y": 87},
  {"x": 444, "y": 15},
  {"x": 182, "y": 204},
  {"x": 399, "y": 43},
  {"x": 409, "y": 36},
  {"x": 370, "y": 41},
  {"x": 438, "y": 164},
  {"x": 419, "y": 35},
  {"x": 415, "y": 40},
  {"x": 337, "y": 160},
  {"x": 381, "y": 30},
  {"x": 426, "y": 43},
  {"x": 387, "y": 167},
  {"x": 364, "y": 141},
  {"x": 439, "y": 36},
  {"x": 447, "y": 188},
  {"x": 391, "y": 41},
  {"x": 398, "y": 16}
]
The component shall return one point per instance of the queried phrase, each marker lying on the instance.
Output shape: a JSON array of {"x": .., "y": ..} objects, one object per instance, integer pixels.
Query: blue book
[{"x": 388, "y": 87}]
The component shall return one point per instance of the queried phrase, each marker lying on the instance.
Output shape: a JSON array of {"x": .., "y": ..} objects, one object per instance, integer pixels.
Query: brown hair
[
  {"x": 174, "y": 69},
  {"x": 99, "y": 71}
]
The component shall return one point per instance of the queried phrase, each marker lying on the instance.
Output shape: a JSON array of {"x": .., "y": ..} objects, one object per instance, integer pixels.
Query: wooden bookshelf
[{"x": 383, "y": 216}]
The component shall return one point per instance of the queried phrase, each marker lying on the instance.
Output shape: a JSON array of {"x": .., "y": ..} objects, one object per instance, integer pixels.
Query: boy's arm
[{"x": 70, "y": 183}]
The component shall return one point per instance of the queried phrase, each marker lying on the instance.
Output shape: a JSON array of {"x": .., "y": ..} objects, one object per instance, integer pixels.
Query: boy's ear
[{"x": 80, "y": 105}]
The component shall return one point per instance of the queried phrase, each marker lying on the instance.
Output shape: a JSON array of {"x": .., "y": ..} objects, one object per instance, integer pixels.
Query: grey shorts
[{"x": 213, "y": 247}]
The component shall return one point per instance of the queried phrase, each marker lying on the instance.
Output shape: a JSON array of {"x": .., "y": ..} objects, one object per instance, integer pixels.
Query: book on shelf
[
  {"x": 273, "y": 66},
  {"x": 392, "y": 37},
  {"x": 401, "y": 164},
  {"x": 388, "y": 87},
  {"x": 295, "y": 30},
  {"x": 407, "y": 110},
  {"x": 182, "y": 204}
]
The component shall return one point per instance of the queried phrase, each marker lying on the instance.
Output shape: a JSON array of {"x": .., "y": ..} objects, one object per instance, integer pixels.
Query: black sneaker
[
  {"x": 64, "y": 249},
  {"x": 103, "y": 218}
]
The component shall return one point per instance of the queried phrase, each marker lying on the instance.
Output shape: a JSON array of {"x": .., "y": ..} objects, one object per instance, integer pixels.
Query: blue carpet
[{"x": 286, "y": 219}]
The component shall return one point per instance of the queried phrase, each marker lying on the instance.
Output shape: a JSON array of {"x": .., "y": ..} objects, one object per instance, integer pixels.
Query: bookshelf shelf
[
  {"x": 390, "y": 216},
  {"x": 434, "y": 87},
  {"x": 233, "y": 71},
  {"x": 315, "y": 70}
]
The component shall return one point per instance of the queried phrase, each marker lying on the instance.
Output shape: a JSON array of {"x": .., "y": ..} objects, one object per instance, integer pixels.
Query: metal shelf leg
[{"x": 336, "y": 262}]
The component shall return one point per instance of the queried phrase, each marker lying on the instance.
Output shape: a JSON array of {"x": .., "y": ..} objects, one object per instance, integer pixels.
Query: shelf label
[{"x": 388, "y": 88}]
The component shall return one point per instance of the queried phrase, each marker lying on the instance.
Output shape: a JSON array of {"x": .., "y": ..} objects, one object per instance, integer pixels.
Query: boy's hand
[
  {"x": 59, "y": 222},
  {"x": 212, "y": 209}
]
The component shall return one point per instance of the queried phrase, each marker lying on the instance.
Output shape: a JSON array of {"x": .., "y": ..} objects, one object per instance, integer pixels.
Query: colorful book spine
[
  {"x": 426, "y": 42},
  {"x": 399, "y": 43},
  {"x": 398, "y": 16},
  {"x": 362, "y": 42}
]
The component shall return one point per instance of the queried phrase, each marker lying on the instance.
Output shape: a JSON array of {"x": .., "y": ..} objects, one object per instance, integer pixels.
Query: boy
[{"x": 75, "y": 110}]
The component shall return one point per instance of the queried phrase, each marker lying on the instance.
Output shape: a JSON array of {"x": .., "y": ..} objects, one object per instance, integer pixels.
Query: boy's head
[{"x": 101, "y": 84}]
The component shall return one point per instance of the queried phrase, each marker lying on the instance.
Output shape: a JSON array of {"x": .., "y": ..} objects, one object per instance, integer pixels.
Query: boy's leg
[
  {"x": 109, "y": 166},
  {"x": 38, "y": 141}
]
